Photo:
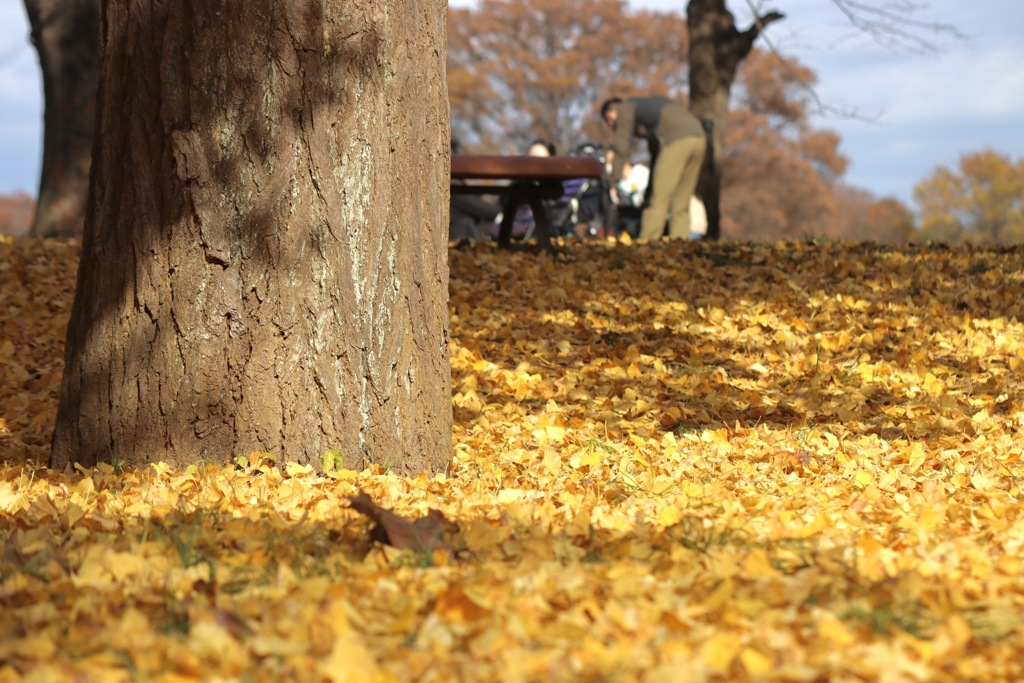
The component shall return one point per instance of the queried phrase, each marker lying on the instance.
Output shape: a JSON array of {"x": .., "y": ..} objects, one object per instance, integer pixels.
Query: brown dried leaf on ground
[{"x": 425, "y": 533}]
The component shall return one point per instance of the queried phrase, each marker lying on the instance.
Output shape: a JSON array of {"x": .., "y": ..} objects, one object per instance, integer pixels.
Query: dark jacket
[{"x": 658, "y": 120}]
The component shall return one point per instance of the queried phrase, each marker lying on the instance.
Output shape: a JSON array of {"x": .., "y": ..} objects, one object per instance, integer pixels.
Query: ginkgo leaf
[{"x": 798, "y": 461}]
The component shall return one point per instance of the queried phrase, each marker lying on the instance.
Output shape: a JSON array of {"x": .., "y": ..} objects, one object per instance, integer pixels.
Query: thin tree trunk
[
  {"x": 264, "y": 265},
  {"x": 66, "y": 36},
  {"x": 716, "y": 49}
]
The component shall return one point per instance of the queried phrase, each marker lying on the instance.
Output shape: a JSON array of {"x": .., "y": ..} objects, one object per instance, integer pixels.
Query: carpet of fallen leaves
[{"x": 685, "y": 462}]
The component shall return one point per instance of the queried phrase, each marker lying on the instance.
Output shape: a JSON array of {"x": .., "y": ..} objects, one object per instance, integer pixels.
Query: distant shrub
[{"x": 16, "y": 211}]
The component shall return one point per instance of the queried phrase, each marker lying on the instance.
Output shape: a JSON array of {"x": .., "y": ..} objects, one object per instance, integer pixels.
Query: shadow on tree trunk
[{"x": 264, "y": 262}]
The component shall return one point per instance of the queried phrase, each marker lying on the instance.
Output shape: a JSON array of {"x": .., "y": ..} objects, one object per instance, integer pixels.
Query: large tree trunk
[
  {"x": 716, "y": 49},
  {"x": 264, "y": 264},
  {"x": 66, "y": 34}
]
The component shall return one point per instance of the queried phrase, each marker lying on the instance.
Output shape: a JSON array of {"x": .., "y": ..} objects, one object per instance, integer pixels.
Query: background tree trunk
[
  {"x": 716, "y": 49},
  {"x": 708, "y": 104},
  {"x": 264, "y": 264},
  {"x": 66, "y": 35}
]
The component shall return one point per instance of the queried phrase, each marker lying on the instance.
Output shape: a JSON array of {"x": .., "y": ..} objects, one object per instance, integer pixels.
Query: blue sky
[{"x": 926, "y": 108}]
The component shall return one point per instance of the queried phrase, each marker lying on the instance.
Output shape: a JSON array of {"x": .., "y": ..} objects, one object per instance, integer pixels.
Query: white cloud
[{"x": 959, "y": 86}]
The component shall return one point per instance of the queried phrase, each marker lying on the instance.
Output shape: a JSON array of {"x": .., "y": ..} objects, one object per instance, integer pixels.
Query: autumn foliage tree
[
  {"x": 860, "y": 215},
  {"x": 519, "y": 69},
  {"x": 778, "y": 171},
  {"x": 981, "y": 201},
  {"x": 782, "y": 177}
]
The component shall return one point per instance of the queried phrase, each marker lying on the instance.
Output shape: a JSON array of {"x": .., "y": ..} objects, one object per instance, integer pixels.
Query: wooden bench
[{"x": 523, "y": 180}]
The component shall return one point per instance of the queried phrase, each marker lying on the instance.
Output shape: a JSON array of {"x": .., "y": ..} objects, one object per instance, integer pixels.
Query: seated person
[
  {"x": 523, "y": 224},
  {"x": 469, "y": 215}
]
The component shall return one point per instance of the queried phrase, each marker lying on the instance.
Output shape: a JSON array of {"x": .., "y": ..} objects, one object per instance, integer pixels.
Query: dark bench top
[{"x": 487, "y": 167}]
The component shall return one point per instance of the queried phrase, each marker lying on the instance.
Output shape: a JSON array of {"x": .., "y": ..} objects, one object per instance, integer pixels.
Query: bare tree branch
[
  {"x": 892, "y": 24},
  {"x": 820, "y": 107}
]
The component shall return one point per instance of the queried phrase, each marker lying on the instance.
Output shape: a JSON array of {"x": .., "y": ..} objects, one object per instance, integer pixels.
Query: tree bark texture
[
  {"x": 716, "y": 49},
  {"x": 66, "y": 36},
  {"x": 264, "y": 265}
]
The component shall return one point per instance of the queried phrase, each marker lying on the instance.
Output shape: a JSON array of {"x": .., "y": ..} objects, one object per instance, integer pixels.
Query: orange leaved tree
[
  {"x": 519, "y": 69},
  {"x": 981, "y": 201}
]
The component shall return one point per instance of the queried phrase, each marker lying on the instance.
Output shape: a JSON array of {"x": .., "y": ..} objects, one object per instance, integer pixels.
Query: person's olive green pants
[{"x": 673, "y": 180}]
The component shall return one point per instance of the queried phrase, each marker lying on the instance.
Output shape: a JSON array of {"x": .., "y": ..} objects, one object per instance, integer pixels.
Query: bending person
[{"x": 676, "y": 141}]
